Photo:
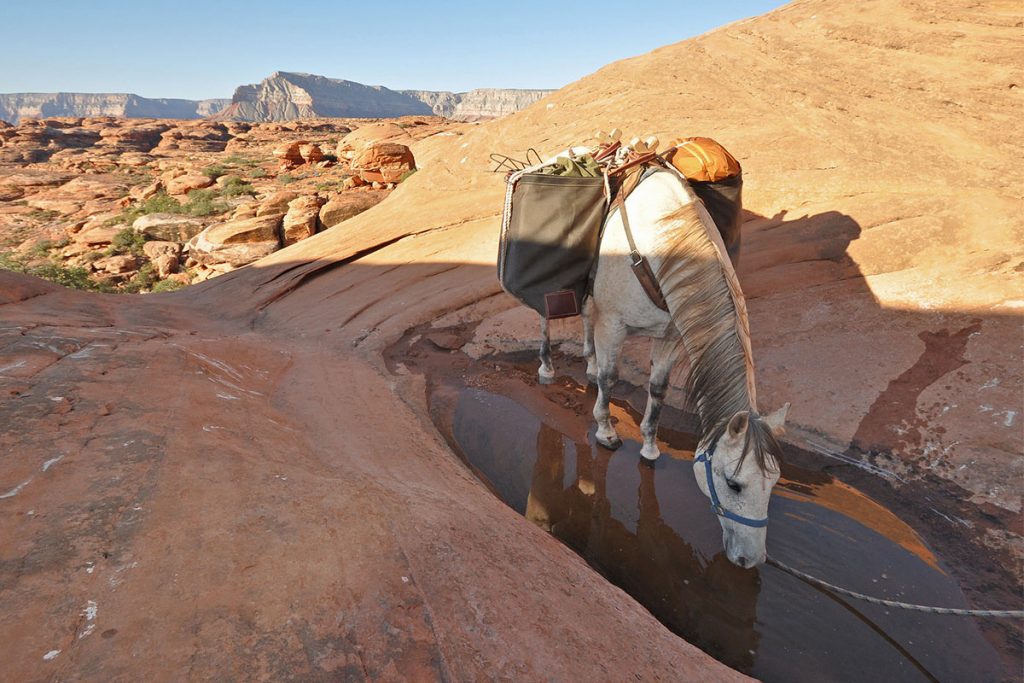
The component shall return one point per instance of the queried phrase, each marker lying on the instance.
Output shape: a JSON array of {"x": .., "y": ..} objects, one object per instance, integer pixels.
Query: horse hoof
[
  {"x": 546, "y": 379},
  {"x": 611, "y": 444},
  {"x": 651, "y": 455}
]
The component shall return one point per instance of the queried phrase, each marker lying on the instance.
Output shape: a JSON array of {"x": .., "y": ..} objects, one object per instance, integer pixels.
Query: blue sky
[{"x": 195, "y": 50}]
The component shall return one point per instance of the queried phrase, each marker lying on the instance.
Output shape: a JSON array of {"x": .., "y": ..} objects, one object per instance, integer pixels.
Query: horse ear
[
  {"x": 777, "y": 420},
  {"x": 738, "y": 423}
]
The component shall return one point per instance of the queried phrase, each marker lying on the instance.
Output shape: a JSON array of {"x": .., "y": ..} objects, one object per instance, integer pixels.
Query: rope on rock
[{"x": 1002, "y": 613}]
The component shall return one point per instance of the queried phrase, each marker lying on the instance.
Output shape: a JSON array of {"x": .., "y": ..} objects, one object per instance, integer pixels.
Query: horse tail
[{"x": 707, "y": 306}]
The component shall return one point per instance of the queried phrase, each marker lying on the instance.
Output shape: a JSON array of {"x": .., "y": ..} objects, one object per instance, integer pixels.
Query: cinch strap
[{"x": 716, "y": 504}]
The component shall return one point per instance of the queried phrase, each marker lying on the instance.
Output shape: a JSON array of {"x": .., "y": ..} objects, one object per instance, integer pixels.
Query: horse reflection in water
[{"x": 711, "y": 604}]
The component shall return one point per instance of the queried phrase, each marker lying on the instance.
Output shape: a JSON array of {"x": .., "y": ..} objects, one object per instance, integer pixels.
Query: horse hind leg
[
  {"x": 662, "y": 360},
  {"x": 608, "y": 340},
  {"x": 546, "y": 371}
]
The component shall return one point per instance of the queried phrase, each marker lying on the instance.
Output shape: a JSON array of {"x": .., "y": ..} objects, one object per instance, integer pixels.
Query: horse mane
[{"x": 709, "y": 311}]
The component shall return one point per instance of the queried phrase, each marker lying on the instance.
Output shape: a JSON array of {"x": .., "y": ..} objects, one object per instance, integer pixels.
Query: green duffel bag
[{"x": 550, "y": 230}]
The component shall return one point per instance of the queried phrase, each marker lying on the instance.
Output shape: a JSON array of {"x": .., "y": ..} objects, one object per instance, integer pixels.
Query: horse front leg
[
  {"x": 588, "y": 341},
  {"x": 662, "y": 360},
  {"x": 546, "y": 371},
  {"x": 608, "y": 342}
]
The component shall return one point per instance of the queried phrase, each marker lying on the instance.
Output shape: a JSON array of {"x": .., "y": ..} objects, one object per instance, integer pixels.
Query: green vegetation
[
  {"x": 203, "y": 203},
  {"x": 142, "y": 281},
  {"x": 126, "y": 242},
  {"x": 406, "y": 175},
  {"x": 235, "y": 187},
  {"x": 258, "y": 173},
  {"x": 200, "y": 203},
  {"x": 167, "y": 286},
  {"x": 43, "y": 214},
  {"x": 215, "y": 171},
  {"x": 239, "y": 160},
  {"x": 73, "y": 277},
  {"x": 286, "y": 178}
]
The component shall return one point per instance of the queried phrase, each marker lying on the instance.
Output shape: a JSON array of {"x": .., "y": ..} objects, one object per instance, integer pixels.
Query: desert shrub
[
  {"x": 235, "y": 187},
  {"x": 71, "y": 277},
  {"x": 43, "y": 214},
  {"x": 161, "y": 202},
  {"x": 407, "y": 174},
  {"x": 167, "y": 286},
  {"x": 215, "y": 171},
  {"x": 204, "y": 203},
  {"x": 42, "y": 248},
  {"x": 127, "y": 241},
  {"x": 258, "y": 173},
  {"x": 142, "y": 281},
  {"x": 238, "y": 160},
  {"x": 286, "y": 178}
]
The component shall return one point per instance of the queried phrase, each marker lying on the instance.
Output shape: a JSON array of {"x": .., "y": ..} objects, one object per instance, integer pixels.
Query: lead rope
[{"x": 1001, "y": 613}]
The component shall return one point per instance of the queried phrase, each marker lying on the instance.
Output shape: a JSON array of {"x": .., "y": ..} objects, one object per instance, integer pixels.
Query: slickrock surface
[{"x": 226, "y": 482}]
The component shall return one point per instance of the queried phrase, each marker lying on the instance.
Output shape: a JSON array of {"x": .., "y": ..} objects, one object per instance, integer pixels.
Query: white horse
[{"x": 737, "y": 463}]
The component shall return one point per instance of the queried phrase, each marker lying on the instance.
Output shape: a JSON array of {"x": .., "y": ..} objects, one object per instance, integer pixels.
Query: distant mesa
[
  {"x": 15, "y": 106},
  {"x": 282, "y": 96}
]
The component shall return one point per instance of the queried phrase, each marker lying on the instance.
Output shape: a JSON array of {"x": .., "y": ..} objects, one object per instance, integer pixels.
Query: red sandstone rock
[
  {"x": 290, "y": 154},
  {"x": 343, "y": 206},
  {"x": 184, "y": 184},
  {"x": 384, "y": 162},
  {"x": 276, "y": 203},
  {"x": 302, "y": 219}
]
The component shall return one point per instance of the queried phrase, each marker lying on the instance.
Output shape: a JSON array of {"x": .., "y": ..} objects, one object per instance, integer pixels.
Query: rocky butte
[
  {"x": 229, "y": 482},
  {"x": 284, "y": 95}
]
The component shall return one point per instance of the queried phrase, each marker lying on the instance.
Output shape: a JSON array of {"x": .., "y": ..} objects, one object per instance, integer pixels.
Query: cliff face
[
  {"x": 478, "y": 104},
  {"x": 490, "y": 103},
  {"x": 280, "y": 97},
  {"x": 285, "y": 96},
  {"x": 15, "y": 106}
]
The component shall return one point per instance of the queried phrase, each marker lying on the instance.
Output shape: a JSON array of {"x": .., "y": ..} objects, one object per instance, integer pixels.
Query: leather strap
[{"x": 641, "y": 268}]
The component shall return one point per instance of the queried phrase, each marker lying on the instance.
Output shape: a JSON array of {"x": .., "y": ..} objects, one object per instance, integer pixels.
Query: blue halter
[{"x": 716, "y": 505}]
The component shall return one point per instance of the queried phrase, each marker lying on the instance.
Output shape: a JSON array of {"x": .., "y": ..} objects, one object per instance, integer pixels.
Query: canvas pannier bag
[
  {"x": 717, "y": 178},
  {"x": 550, "y": 230}
]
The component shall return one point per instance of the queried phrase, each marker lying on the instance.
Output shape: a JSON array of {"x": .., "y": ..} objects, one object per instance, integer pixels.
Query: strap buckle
[{"x": 636, "y": 258}]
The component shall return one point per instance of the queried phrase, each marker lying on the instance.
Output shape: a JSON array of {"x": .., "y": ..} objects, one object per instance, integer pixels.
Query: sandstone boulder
[
  {"x": 384, "y": 162},
  {"x": 136, "y": 138},
  {"x": 143, "y": 192},
  {"x": 276, "y": 202},
  {"x": 290, "y": 153},
  {"x": 98, "y": 235},
  {"x": 122, "y": 263},
  {"x": 237, "y": 243},
  {"x": 311, "y": 154},
  {"x": 157, "y": 248},
  {"x": 184, "y": 184},
  {"x": 302, "y": 219},
  {"x": 166, "y": 264},
  {"x": 373, "y": 133},
  {"x": 348, "y": 204},
  {"x": 171, "y": 227}
]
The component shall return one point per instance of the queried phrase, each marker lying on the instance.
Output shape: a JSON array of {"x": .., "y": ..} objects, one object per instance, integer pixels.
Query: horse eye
[{"x": 734, "y": 485}]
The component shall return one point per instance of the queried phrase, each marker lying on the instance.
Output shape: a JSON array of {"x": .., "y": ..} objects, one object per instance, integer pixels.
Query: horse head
[{"x": 736, "y": 468}]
